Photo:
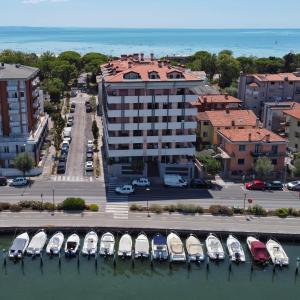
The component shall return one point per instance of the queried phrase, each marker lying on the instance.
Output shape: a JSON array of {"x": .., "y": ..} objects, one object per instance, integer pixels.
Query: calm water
[
  {"x": 32, "y": 282},
  {"x": 259, "y": 42}
]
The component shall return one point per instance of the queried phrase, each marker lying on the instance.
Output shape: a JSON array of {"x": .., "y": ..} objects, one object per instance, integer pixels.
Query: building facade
[
  {"x": 22, "y": 124},
  {"x": 292, "y": 127},
  {"x": 147, "y": 114},
  {"x": 256, "y": 89}
]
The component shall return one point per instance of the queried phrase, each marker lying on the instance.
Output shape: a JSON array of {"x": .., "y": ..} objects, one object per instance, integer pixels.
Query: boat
[
  {"x": 19, "y": 246},
  {"x": 194, "y": 248},
  {"x": 72, "y": 244},
  {"x": 214, "y": 247},
  {"x": 37, "y": 243},
  {"x": 125, "y": 246},
  {"x": 277, "y": 253},
  {"x": 107, "y": 244},
  {"x": 90, "y": 243},
  {"x": 55, "y": 243},
  {"x": 141, "y": 247},
  {"x": 176, "y": 249},
  {"x": 159, "y": 247},
  {"x": 258, "y": 250},
  {"x": 235, "y": 249}
]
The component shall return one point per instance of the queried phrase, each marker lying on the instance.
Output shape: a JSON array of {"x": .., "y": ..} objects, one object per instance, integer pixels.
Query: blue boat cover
[{"x": 159, "y": 240}]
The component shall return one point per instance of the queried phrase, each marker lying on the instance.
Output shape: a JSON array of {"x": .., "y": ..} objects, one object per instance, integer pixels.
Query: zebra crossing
[
  {"x": 64, "y": 178},
  {"x": 118, "y": 209},
  {"x": 112, "y": 196}
]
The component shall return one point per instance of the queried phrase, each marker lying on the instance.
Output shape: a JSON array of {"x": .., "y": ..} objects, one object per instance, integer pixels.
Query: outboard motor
[
  {"x": 217, "y": 256},
  {"x": 237, "y": 257}
]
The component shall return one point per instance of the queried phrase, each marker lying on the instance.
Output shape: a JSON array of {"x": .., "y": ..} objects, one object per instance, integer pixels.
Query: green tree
[
  {"x": 269, "y": 65},
  {"x": 229, "y": 69},
  {"x": 72, "y": 57},
  {"x": 263, "y": 167},
  {"x": 296, "y": 171},
  {"x": 95, "y": 130},
  {"x": 73, "y": 204},
  {"x": 247, "y": 64},
  {"x": 54, "y": 87},
  {"x": 65, "y": 71},
  {"x": 45, "y": 63},
  {"x": 211, "y": 165},
  {"x": 23, "y": 162}
]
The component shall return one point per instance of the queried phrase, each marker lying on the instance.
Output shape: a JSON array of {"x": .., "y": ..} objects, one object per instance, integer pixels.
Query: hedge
[{"x": 72, "y": 203}]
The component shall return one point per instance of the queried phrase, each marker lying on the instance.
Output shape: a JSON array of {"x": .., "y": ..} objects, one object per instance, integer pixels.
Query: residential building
[
  {"x": 240, "y": 148},
  {"x": 209, "y": 122},
  {"x": 256, "y": 89},
  {"x": 292, "y": 126},
  {"x": 147, "y": 115},
  {"x": 22, "y": 124},
  {"x": 216, "y": 102}
]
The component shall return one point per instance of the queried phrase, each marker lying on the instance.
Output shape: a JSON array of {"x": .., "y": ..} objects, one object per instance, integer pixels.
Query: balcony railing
[{"x": 267, "y": 154}]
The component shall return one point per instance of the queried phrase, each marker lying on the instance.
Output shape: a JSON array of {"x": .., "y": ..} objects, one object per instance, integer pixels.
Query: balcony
[{"x": 268, "y": 154}]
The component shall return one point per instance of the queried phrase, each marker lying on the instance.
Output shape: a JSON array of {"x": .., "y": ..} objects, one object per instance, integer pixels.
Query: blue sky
[{"x": 152, "y": 13}]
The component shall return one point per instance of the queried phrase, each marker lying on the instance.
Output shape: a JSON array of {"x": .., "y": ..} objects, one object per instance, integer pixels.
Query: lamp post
[
  {"x": 148, "y": 213},
  {"x": 42, "y": 201},
  {"x": 53, "y": 202}
]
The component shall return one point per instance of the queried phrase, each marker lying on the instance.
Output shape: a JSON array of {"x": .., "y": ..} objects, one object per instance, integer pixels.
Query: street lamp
[
  {"x": 53, "y": 202},
  {"x": 42, "y": 201},
  {"x": 148, "y": 213}
]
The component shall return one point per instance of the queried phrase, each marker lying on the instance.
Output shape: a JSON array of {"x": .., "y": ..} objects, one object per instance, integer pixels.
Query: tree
[
  {"x": 72, "y": 57},
  {"x": 229, "y": 69},
  {"x": 211, "y": 165},
  {"x": 45, "y": 63},
  {"x": 65, "y": 71},
  {"x": 72, "y": 203},
  {"x": 296, "y": 171},
  {"x": 247, "y": 64},
  {"x": 263, "y": 167},
  {"x": 95, "y": 130},
  {"x": 23, "y": 162},
  {"x": 93, "y": 102},
  {"x": 54, "y": 87},
  {"x": 269, "y": 65}
]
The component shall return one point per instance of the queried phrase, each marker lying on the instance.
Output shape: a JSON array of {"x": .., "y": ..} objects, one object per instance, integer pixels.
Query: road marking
[
  {"x": 72, "y": 178},
  {"x": 119, "y": 210}
]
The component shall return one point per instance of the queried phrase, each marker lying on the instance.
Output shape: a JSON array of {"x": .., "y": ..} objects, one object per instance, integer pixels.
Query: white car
[
  {"x": 89, "y": 166},
  {"x": 293, "y": 186},
  {"x": 143, "y": 182},
  {"x": 125, "y": 189},
  {"x": 19, "y": 181},
  {"x": 90, "y": 143}
]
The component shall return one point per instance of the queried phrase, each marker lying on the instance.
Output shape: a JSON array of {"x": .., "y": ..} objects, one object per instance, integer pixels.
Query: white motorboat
[
  {"x": 125, "y": 246},
  {"x": 159, "y": 247},
  {"x": 72, "y": 244},
  {"x": 194, "y": 248},
  {"x": 55, "y": 243},
  {"x": 19, "y": 246},
  {"x": 277, "y": 253},
  {"x": 37, "y": 243},
  {"x": 107, "y": 244},
  {"x": 214, "y": 247},
  {"x": 90, "y": 243},
  {"x": 235, "y": 249},
  {"x": 141, "y": 247},
  {"x": 175, "y": 247}
]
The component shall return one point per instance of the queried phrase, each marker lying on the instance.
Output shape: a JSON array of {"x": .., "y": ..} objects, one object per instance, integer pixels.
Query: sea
[{"x": 161, "y": 42}]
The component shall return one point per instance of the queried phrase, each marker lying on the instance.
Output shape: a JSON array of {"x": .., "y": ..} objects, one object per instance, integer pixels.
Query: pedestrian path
[
  {"x": 112, "y": 196},
  {"x": 118, "y": 209},
  {"x": 64, "y": 178}
]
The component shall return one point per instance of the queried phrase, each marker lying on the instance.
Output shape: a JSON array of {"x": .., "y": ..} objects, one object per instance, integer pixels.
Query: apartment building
[
  {"x": 22, "y": 126},
  {"x": 216, "y": 102},
  {"x": 209, "y": 122},
  {"x": 147, "y": 115},
  {"x": 240, "y": 148},
  {"x": 256, "y": 89}
]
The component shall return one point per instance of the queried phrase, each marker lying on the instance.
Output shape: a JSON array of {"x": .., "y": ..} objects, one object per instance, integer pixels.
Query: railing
[{"x": 268, "y": 154}]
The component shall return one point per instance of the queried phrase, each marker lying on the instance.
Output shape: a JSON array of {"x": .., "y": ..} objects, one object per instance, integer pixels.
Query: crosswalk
[
  {"x": 112, "y": 196},
  {"x": 64, "y": 178},
  {"x": 118, "y": 209}
]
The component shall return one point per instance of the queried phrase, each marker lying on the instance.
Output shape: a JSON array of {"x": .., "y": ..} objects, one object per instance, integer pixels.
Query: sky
[{"x": 152, "y": 13}]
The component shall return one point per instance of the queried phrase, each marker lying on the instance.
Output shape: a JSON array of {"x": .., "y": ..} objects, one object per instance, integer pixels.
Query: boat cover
[
  {"x": 259, "y": 251},
  {"x": 18, "y": 244},
  {"x": 176, "y": 245},
  {"x": 159, "y": 240}
]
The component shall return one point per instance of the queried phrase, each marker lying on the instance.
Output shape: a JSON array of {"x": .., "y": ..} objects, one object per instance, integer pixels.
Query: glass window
[
  {"x": 242, "y": 147},
  {"x": 241, "y": 161}
]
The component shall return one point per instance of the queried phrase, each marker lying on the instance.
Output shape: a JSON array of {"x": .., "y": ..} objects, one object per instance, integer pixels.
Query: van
[
  {"x": 67, "y": 132},
  {"x": 172, "y": 180},
  {"x": 3, "y": 181}
]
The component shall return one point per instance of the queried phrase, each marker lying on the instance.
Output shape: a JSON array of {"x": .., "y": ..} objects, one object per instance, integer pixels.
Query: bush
[
  {"x": 257, "y": 210},
  {"x": 36, "y": 205},
  {"x": 15, "y": 208},
  {"x": 25, "y": 204},
  {"x": 94, "y": 207},
  {"x": 4, "y": 206},
  {"x": 282, "y": 212},
  {"x": 170, "y": 208},
  {"x": 237, "y": 210},
  {"x": 220, "y": 210},
  {"x": 136, "y": 207},
  {"x": 293, "y": 212},
  {"x": 49, "y": 206},
  {"x": 156, "y": 208},
  {"x": 73, "y": 203}
]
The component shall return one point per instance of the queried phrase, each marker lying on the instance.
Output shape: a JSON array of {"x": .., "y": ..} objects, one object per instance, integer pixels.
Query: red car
[{"x": 256, "y": 185}]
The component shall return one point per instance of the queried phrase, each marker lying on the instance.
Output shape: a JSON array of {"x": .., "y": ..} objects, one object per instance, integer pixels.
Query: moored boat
[
  {"x": 258, "y": 250},
  {"x": 125, "y": 246},
  {"x": 235, "y": 249},
  {"x": 214, "y": 247},
  {"x": 176, "y": 249},
  {"x": 107, "y": 244},
  {"x": 194, "y": 248},
  {"x": 37, "y": 243},
  {"x": 72, "y": 244},
  {"x": 277, "y": 253},
  {"x": 159, "y": 247},
  {"x": 55, "y": 243},
  {"x": 90, "y": 243},
  {"x": 19, "y": 246},
  {"x": 141, "y": 247}
]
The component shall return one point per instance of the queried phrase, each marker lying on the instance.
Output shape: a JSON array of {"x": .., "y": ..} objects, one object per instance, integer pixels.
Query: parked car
[
  {"x": 3, "y": 181},
  {"x": 201, "y": 184},
  {"x": 88, "y": 108},
  {"x": 142, "y": 181},
  {"x": 293, "y": 186},
  {"x": 89, "y": 150},
  {"x": 125, "y": 189},
  {"x": 70, "y": 123},
  {"x": 19, "y": 181},
  {"x": 89, "y": 157},
  {"x": 73, "y": 104},
  {"x": 72, "y": 109},
  {"x": 172, "y": 180},
  {"x": 256, "y": 184},
  {"x": 90, "y": 143},
  {"x": 89, "y": 166},
  {"x": 63, "y": 157},
  {"x": 87, "y": 103},
  {"x": 275, "y": 185},
  {"x": 61, "y": 167}
]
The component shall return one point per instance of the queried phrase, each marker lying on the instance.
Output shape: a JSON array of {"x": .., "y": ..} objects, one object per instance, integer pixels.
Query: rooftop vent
[{"x": 18, "y": 65}]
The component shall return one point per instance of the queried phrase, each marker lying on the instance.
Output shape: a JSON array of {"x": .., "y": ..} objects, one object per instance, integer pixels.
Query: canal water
[{"x": 73, "y": 281}]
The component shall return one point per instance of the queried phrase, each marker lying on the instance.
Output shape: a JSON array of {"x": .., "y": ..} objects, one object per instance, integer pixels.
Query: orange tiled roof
[
  {"x": 253, "y": 84},
  {"x": 254, "y": 134},
  {"x": 218, "y": 99},
  {"x": 277, "y": 77},
  {"x": 225, "y": 118},
  {"x": 294, "y": 111}
]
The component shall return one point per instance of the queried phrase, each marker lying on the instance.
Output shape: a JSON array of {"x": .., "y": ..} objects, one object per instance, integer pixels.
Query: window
[
  {"x": 257, "y": 148},
  {"x": 241, "y": 161},
  {"x": 298, "y": 123},
  {"x": 6, "y": 149},
  {"x": 272, "y": 82},
  {"x": 205, "y": 123},
  {"x": 242, "y": 147},
  {"x": 297, "y": 134},
  {"x": 205, "y": 134},
  {"x": 274, "y": 162},
  {"x": 291, "y": 82},
  {"x": 296, "y": 146},
  {"x": 274, "y": 149},
  {"x": 167, "y": 105}
]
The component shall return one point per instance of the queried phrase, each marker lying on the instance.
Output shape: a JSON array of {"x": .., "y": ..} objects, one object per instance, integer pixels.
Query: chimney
[
  {"x": 226, "y": 97},
  {"x": 130, "y": 64},
  {"x": 114, "y": 71},
  {"x": 152, "y": 56},
  {"x": 142, "y": 57},
  {"x": 268, "y": 136},
  {"x": 160, "y": 64},
  {"x": 227, "y": 111},
  {"x": 136, "y": 56},
  {"x": 123, "y": 57},
  {"x": 249, "y": 137}
]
